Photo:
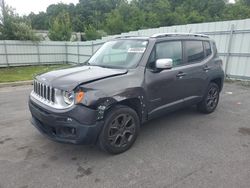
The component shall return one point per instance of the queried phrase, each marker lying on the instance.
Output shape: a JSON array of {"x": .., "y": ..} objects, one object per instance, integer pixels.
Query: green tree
[
  {"x": 245, "y": 2},
  {"x": 131, "y": 16},
  {"x": 77, "y": 24},
  {"x": 116, "y": 16},
  {"x": 12, "y": 27},
  {"x": 195, "y": 17},
  {"x": 39, "y": 21},
  {"x": 55, "y": 9},
  {"x": 236, "y": 11},
  {"x": 161, "y": 8},
  {"x": 91, "y": 33},
  {"x": 61, "y": 29},
  {"x": 115, "y": 23}
]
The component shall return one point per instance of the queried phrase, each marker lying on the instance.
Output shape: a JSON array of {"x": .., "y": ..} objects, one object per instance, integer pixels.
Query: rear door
[
  {"x": 197, "y": 55},
  {"x": 186, "y": 82}
]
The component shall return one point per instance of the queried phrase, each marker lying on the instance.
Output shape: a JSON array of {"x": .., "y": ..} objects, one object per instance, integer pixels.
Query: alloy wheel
[
  {"x": 121, "y": 130},
  {"x": 212, "y": 98}
]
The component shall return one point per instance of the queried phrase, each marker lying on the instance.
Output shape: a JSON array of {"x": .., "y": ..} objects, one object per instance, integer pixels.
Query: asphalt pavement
[{"x": 181, "y": 149}]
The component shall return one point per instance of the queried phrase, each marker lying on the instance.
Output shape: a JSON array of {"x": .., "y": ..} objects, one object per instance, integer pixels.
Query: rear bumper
[{"x": 66, "y": 126}]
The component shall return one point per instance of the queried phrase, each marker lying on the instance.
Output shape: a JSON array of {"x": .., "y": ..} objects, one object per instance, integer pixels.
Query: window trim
[{"x": 204, "y": 41}]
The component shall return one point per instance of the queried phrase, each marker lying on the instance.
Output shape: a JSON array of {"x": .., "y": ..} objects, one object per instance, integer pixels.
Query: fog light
[{"x": 68, "y": 132}]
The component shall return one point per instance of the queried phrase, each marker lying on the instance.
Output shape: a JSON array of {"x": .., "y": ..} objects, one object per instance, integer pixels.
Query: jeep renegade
[{"x": 127, "y": 82}]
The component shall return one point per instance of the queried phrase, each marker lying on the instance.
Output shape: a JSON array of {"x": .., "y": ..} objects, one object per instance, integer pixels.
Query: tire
[
  {"x": 120, "y": 130},
  {"x": 210, "y": 99}
]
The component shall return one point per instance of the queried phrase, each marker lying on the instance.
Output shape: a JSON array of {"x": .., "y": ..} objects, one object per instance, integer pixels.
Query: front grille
[{"x": 44, "y": 91}]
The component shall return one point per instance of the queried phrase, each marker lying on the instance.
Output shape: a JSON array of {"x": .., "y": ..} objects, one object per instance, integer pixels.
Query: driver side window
[
  {"x": 165, "y": 50},
  {"x": 170, "y": 49}
]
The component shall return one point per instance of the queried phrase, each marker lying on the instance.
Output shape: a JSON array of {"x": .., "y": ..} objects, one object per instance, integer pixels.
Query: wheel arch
[
  {"x": 135, "y": 103},
  {"x": 218, "y": 81}
]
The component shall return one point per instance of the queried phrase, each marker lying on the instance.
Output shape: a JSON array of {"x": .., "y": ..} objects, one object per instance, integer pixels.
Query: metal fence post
[
  {"x": 66, "y": 52},
  {"x": 38, "y": 53},
  {"x": 6, "y": 53},
  {"x": 78, "y": 53},
  {"x": 92, "y": 48},
  {"x": 229, "y": 49}
]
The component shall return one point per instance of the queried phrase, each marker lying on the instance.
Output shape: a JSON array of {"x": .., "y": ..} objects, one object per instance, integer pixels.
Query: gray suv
[{"x": 127, "y": 82}]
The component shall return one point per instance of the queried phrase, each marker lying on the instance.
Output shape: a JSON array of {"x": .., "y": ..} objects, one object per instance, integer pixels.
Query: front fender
[{"x": 101, "y": 101}]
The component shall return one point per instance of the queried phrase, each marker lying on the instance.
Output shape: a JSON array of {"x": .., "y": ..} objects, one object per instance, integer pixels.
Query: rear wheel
[
  {"x": 210, "y": 100},
  {"x": 121, "y": 127}
]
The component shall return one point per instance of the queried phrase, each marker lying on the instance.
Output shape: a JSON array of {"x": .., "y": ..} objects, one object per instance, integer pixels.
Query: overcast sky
[{"x": 24, "y": 7}]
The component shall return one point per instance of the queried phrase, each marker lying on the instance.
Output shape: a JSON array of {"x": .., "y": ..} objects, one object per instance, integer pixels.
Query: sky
[{"x": 24, "y": 7}]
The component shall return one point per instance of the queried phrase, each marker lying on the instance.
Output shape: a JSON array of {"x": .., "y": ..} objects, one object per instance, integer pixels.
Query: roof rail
[
  {"x": 125, "y": 36},
  {"x": 159, "y": 35}
]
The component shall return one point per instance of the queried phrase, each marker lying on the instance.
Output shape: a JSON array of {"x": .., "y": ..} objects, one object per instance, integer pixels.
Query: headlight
[{"x": 68, "y": 97}]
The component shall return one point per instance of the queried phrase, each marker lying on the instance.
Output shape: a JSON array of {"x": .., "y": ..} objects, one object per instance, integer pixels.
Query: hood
[{"x": 68, "y": 79}]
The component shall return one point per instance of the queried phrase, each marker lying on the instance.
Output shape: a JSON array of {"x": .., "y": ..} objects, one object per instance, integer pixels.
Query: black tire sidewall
[
  {"x": 203, "y": 105},
  {"x": 110, "y": 115}
]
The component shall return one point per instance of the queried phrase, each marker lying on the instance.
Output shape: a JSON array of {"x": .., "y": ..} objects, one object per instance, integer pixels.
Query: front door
[{"x": 165, "y": 88}]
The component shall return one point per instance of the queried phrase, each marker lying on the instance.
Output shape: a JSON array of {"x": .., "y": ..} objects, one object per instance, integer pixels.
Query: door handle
[
  {"x": 181, "y": 74},
  {"x": 206, "y": 68}
]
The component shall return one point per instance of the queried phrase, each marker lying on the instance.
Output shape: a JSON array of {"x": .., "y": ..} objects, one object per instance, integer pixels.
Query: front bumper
[{"x": 76, "y": 125}]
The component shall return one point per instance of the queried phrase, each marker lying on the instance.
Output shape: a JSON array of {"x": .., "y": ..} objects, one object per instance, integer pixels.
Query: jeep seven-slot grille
[{"x": 44, "y": 91}]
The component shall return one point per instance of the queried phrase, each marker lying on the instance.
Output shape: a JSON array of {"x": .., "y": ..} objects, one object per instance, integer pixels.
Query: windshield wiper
[
  {"x": 85, "y": 63},
  {"x": 96, "y": 65},
  {"x": 105, "y": 66}
]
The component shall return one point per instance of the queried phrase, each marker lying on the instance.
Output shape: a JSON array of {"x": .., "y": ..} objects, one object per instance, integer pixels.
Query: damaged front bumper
[{"x": 76, "y": 125}]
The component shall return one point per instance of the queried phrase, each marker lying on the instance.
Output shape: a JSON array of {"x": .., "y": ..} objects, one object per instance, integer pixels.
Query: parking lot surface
[{"x": 181, "y": 149}]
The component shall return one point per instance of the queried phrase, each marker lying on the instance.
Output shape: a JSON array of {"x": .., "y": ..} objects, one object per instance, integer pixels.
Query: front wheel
[
  {"x": 121, "y": 127},
  {"x": 210, "y": 100}
]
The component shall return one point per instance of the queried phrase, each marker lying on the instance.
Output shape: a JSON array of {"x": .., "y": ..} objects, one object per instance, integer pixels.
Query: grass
[{"x": 24, "y": 73}]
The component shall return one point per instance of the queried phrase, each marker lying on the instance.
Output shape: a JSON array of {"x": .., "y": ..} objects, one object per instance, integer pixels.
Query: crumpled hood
[{"x": 68, "y": 79}]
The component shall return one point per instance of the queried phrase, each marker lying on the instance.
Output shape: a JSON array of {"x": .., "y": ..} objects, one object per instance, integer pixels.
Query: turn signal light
[{"x": 79, "y": 96}]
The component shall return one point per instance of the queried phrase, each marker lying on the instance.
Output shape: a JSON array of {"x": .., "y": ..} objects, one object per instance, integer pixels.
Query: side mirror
[{"x": 164, "y": 64}]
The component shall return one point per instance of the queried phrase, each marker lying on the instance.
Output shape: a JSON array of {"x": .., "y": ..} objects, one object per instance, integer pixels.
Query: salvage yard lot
[{"x": 182, "y": 149}]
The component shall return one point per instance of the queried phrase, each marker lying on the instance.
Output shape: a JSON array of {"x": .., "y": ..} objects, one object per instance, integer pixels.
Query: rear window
[{"x": 194, "y": 51}]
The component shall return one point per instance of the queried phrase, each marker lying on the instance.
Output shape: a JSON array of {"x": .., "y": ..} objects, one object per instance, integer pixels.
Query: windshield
[{"x": 119, "y": 54}]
